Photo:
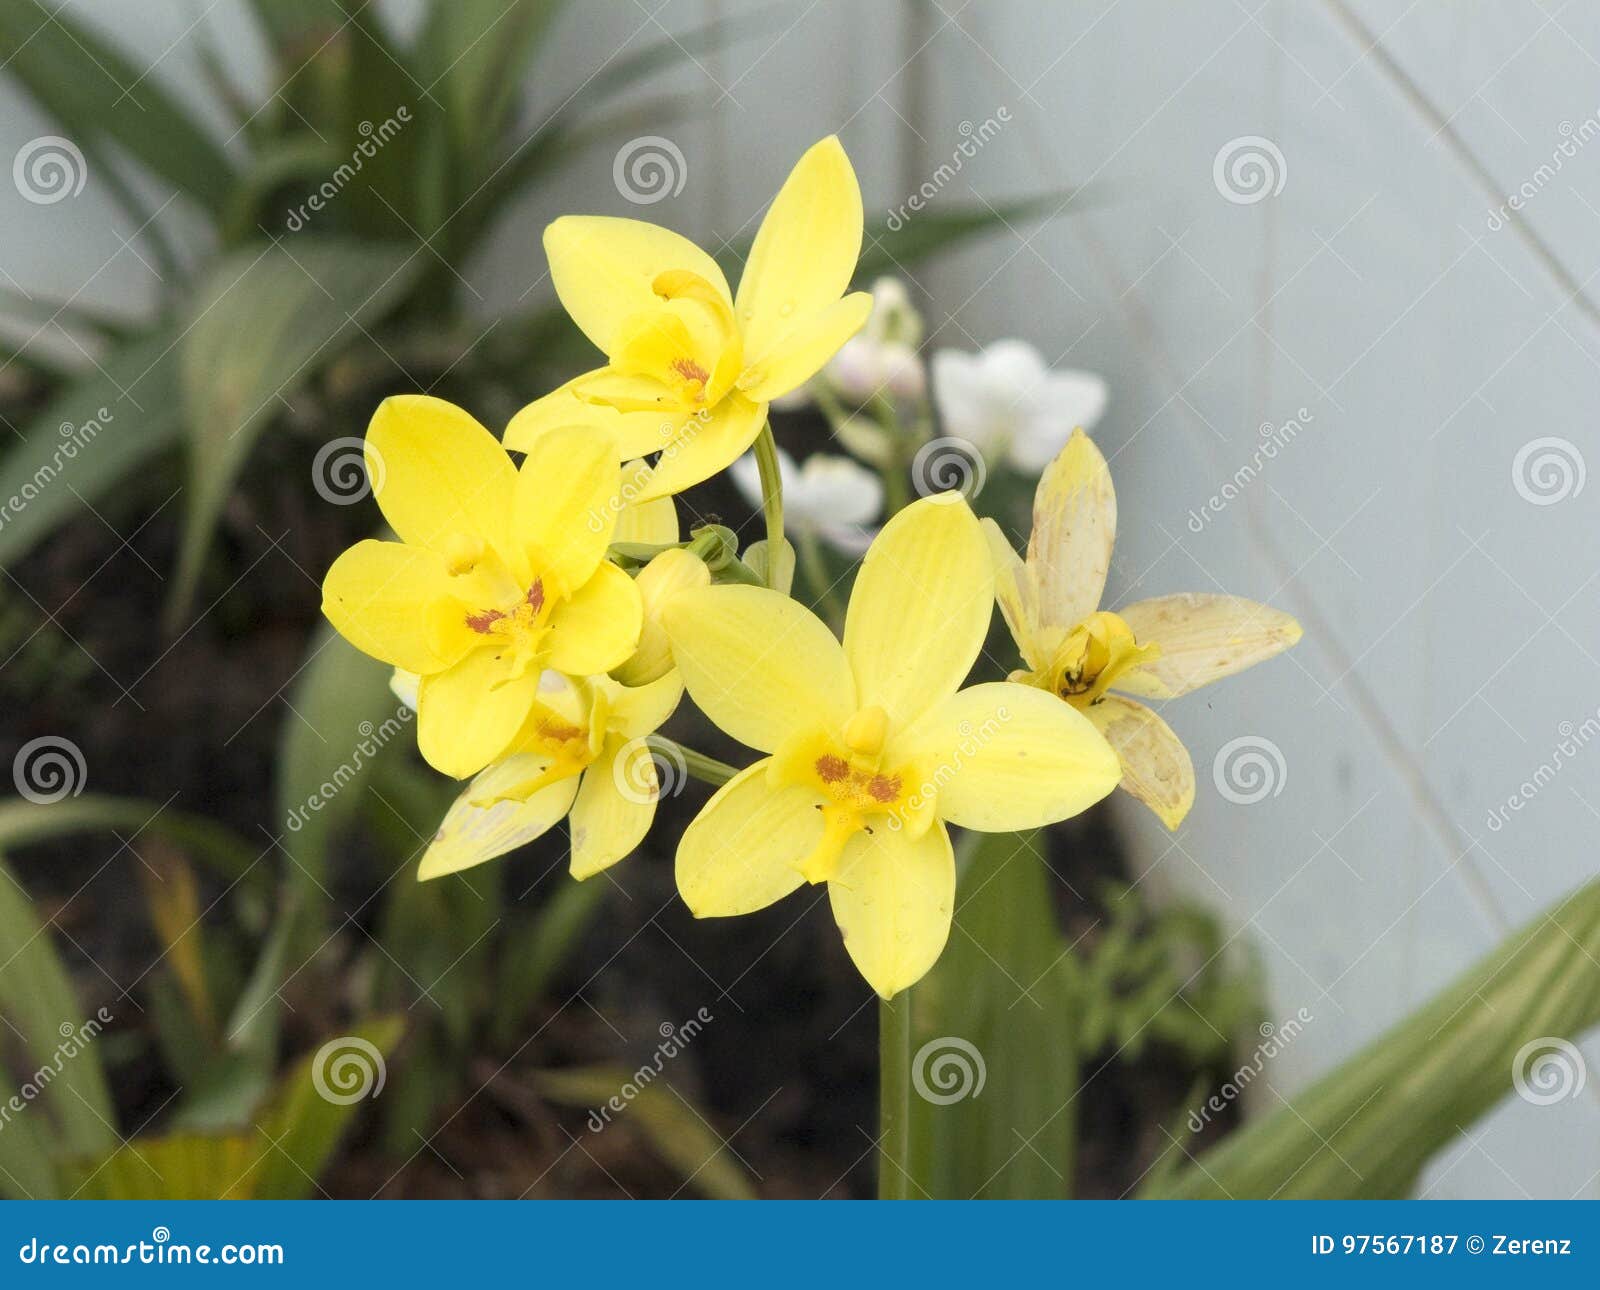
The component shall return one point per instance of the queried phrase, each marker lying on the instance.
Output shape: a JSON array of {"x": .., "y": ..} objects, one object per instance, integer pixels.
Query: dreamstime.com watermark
[
  {"x": 674, "y": 1039},
  {"x": 160, "y": 1249},
  {"x": 1249, "y": 169},
  {"x": 948, "y": 1069},
  {"x": 373, "y": 738},
  {"x": 1572, "y": 741},
  {"x": 373, "y": 139},
  {"x": 1548, "y": 1070},
  {"x": 946, "y": 463},
  {"x": 1274, "y": 1040},
  {"x": 74, "y": 439},
  {"x": 74, "y": 1039},
  {"x": 1573, "y": 137},
  {"x": 649, "y": 169},
  {"x": 49, "y": 169},
  {"x": 1249, "y": 769},
  {"x": 973, "y": 138},
  {"x": 1274, "y": 439}
]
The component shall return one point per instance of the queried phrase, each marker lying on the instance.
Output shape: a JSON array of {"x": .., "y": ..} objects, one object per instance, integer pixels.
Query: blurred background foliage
[{"x": 230, "y": 948}]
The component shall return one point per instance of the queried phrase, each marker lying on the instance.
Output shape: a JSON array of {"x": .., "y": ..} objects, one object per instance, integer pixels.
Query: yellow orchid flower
[
  {"x": 1156, "y": 649},
  {"x": 499, "y": 572},
  {"x": 667, "y": 576},
  {"x": 690, "y": 366},
  {"x": 872, "y": 746},
  {"x": 580, "y": 752}
]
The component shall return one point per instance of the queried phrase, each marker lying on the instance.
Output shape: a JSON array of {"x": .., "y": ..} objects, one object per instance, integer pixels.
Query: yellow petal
[
  {"x": 759, "y": 665},
  {"x": 437, "y": 473},
  {"x": 892, "y": 898},
  {"x": 394, "y": 602},
  {"x": 468, "y": 714},
  {"x": 604, "y": 270},
  {"x": 566, "y": 505},
  {"x": 739, "y": 854},
  {"x": 667, "y": 576},
  {"x": 639, "y": 710},
  {"x": 1074, "y": 526},
  {"x": 654, "y": 522},
  {"x": 805, "y": 251},
  {"x": 1014, "y": 592},
  {"x": 1203, "y": 638},
  {"x": 1002, "y": 757},
  {"x": 470, "y": 834},
  {"x": 598, "y": 628},
  {"x": 616, "y": 803},
  {"x": 1155, "y": 765},
  {"x": 709, "y": 442},
  {"x": 635, "y": 433},
  {"x": 803, "y": 351},
  {"x": 920, "y": 608}
]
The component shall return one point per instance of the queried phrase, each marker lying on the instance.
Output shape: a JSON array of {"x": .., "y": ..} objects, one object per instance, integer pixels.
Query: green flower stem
[
  {"x": 816, "y": 568},
  {"x": 771, "y": 498},
  {"x": 894, "y": 1097},
  {"x": 896, "y": 491},
  {"x": 707, "y": 769}
]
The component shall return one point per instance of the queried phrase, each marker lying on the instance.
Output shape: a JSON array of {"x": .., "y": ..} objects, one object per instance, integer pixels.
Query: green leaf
[
  {"x": 180, "y": 1166},
  {"x": 97, "y": 93},
  {"x": 475, "y": 54},
  {"x": 23, "y": 823},
  {"x": 389, "y": 129},
  {"x": 342, "y": 717},
  {"x": 534, "y": 951},
  {"x": 316, "y": 1102},
  {"x": 679, "y": 1132},
  {"x": 1366, "y": 1130},
  {"x": 39, "y": 1006},
  {"x": 933, "y": 232},
  {"x": 265, "y": 321},
  {"x": 290, "y": 24},
  {"x": 994, "y": 1022},
  {"x": 97, "y": 432}
]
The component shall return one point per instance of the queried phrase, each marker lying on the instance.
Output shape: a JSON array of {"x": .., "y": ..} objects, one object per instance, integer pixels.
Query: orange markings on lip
[
  {"x": 831, "y": 769},
  {"x": 884, "y": 788},
  {"x": 690, "y": 370},
  {"x": 484, "y": 620}
]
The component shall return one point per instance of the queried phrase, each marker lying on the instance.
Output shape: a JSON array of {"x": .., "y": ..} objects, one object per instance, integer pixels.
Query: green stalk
[
  {"x": 816, "y": 568},
  {"x": 706, "y": 769},
  {"x": 771, "y": 498},
  {"x": 894, "y": 1097}
]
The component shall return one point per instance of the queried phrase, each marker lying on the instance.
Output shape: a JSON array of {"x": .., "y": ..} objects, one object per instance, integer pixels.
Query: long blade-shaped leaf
[
  {"x": 667, "y": 1119},
  {"x": 22, "y": 823},
  {"x": 95, "y": 92},
  {"x": 344, "y": 718},
  {"x": 39, "y": 1005},
  {"x": 993, "y": 1053},
  {"x": 266, "y": 320},
  {"x": 98, "y": 431},
  {"x": 316, "y": 1102},
  {"x": 1366, "y": 1130}
]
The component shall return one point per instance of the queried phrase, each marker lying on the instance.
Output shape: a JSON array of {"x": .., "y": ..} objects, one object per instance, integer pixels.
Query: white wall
[{"x": 1452, "y": 625}]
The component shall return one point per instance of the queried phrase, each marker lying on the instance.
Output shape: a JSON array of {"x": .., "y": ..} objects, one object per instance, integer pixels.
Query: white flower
[
  {"x": 864, "y": 368},
  {"x": 882, "y": 357},
  {"x": 1007, "y": 403},
  {"x": 831, "y": 496}
]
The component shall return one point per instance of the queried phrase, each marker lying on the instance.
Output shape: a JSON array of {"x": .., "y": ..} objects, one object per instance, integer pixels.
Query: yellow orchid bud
[{"x": 667, "y": 575}]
